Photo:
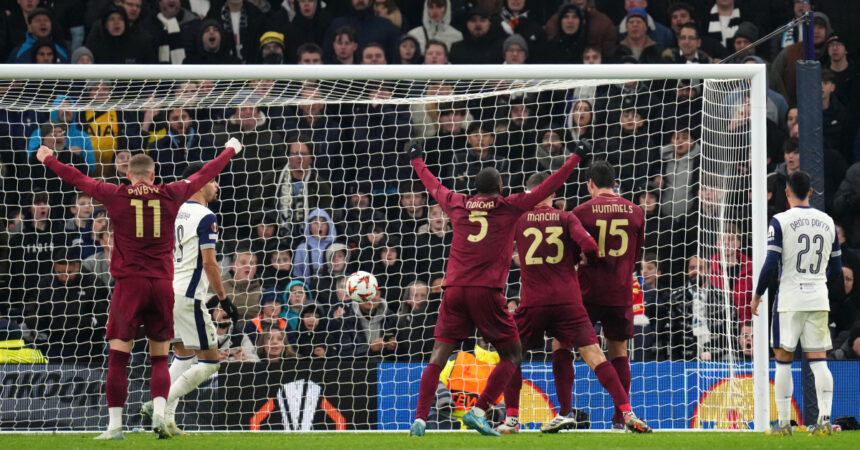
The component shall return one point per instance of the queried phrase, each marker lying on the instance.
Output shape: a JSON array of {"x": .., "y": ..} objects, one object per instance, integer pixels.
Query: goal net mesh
[{"x": 322, "y": 189}]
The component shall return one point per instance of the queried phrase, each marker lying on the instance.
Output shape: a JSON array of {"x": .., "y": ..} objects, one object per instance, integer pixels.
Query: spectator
[
  {"x": 133, "y": 15},
  {"x": 309, "y": 53},
  {"x": 746, "y": 34},
  {"x": 17, "y": 22},
  {"x": 109, "y": 129},
  {"x": 658, "y": 229},
  {"x": 337, "y": 266},
  {"x": 77, "y": 225},
  {"x": 272, "y": 347},
  {"x": 319, "y": 233},
  {"x": 479, "y": 153},
  {"x": 517, "y": 18},
  {"x": 388, "y": 9},
  {"x": 338, "y": 303},
  {"x": 516, "y": 50},
  {"x": 69, "y": 311},
  {"x": 181, "y": 144},
  {"x": 380, "y": 128},
  {"x": 368, "y": 28},
  {"x": 91, "y": 243},
  {"x": 738, "y": 272},
  {"x": 117, "y": 173},
  {"x": 311, "y": 337},
  {"x": 174, "y": 30},
  {"x": 778, "y": 179},
  {"x": 373, "y": 53},
  {"x": 271, "y": 309},
  {"x": 272, "y": 48},
  {"x": 118, "y": 42},
  {"x": 76, "y": 138},
  {"x": 43, "y": 52},
  {"x": 357, "y": 212},
  {"x": 630, "y": 149},
  {"x": 372, "y": 241},
  {"x": 783, "y": 74},
  {"x": 232, "y": 345},
  {"x": 365, "y": 329},
  {"x": 300, "y": 188},
  {"x": 42, "y": 178},
  {"x": 264, "y": 234},
  {"x": 521, "y": 130},
  {"x": 835, "y": 117},
  {"x": 680, "y": 14},
  {"x": 82, "y": 55},
  {"x": 344, "y": 46},
  {"x": 600, "y": 29},
  {"x": 846, "y": 206},
  {"x": 795, "y": 34},
  {"x": 843, "y": 69},
  {"x": 416, "y": 319},
  {"x": 580, "y": 122},
  {"x": 212, "y": 46},
  {"x": 437, "y": 53},
  {"x": 411, "y": 215},
  {"x": 689, "y": 47},
  {"x": 687, "y": 330},
  {"x": 844, "y": 313},
  {"x": 307, "y": 26},
  {"x": 656, "y": 31},
  {"x": 241, "y": 284},
  {"x": 436, "y": 26},
  {"x": 679, "y": 174},
  {"x": 482, "y": 43},
  {"x": 408, "y": 50},
  {"x": 30, "y": 250},
  {"x": 98, "y": 264},
  {"x": 389, "y": 269},
  {"x": 850, "y": 347},
  {"x": 433, "y": 243},
  {"x": 278, "y": 273},
  {"x": 39, "y": 26},
  {"x": 723, "y": 21},
  {"x": 244, "y": 23},
  {"x": 296, "y": 298},
  {"x": 425, "y": 116},
  {"x": 637, "y": 43}
]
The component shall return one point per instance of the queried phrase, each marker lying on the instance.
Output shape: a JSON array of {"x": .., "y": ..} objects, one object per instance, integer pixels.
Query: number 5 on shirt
[
  {"x": 614, "y": 230},
  {"x": 480, "y": 217}
]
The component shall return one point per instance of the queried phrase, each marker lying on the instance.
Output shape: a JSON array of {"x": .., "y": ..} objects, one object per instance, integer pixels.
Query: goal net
[{"x": 323, "y": 188}]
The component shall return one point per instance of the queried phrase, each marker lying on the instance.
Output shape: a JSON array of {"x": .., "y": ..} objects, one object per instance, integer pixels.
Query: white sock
[
  {"x": 823, "y": 389},
  {"x": 158, "y": 404},
  {"x": 783, "y": 386},
  {"x": 179, "y": 366},
  {"x": 512, "y": 420},
  {"x": 115, "y": 418},
  {"x": 187, "y": 383},
  {"x": 478, "y": 411}
]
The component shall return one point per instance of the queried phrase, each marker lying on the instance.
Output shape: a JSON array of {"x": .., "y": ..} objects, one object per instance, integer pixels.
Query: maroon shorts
[
  {"x": 617, "y": 321},
  {"x": 140, "y": 300},
  {"x": 567, "y": 323},
  {"x": 465, "y": 308}
]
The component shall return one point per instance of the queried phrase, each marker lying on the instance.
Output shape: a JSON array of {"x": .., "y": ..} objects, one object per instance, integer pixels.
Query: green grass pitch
[{"x": 464, "y": 441}]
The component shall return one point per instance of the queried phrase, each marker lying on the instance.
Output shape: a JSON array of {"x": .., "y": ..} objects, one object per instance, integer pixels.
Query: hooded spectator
[
  {"x": 295, "y": 299},
  {"x": 408, "y": 50},
  {"x": 134, "y": 12},
  {"x": 567, "y": 46},
  {"x": 309, "y": 23},
  {"x": 118, "y": 43},
  {"x": 369, "y": 28},
  {"x": 482, "y": 43},
  {"x": 310, "y": 339},
  {"x": 601, "y": 31},
  {"x": 436, "y": 25},
  {"x": 251, "y": 24},
  {"x": 39, "y": 26},
  {"x": 212, "y": 46},
  {"x": 320, "y": 232}
]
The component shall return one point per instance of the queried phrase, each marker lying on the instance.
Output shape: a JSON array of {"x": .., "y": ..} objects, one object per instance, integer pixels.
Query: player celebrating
[
  {"x": 477, "y": 271},
  {"x": 551, "y": 302},
  {"x": 194, "y": 334},
  {"x": 143, "y": 215},
  {"x": 619, "y": 226},
  {"x": 800, "y": 240}
]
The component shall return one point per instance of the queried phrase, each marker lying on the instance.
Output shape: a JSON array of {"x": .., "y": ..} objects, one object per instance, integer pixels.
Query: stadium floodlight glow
[{"x": 359, "y": 119}]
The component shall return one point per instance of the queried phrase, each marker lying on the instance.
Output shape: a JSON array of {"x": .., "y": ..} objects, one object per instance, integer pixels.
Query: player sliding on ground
[
  {"x": 142, "y": 216},
  {"x": 550, "y": 243},
  {"x": 194, "y": 334},
  {"x": 802, "y": 247},
  {"x": 606, "y": 284},
  {"x": 476, "y": 274}
]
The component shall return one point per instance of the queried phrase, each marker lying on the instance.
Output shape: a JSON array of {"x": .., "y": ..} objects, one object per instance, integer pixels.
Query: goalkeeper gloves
[
  {"x": 235, "y": 145},
  {"x": 227, "y": 305},
  {"x": 416, "y": 150},
  {"x": 583, "y": 150}
]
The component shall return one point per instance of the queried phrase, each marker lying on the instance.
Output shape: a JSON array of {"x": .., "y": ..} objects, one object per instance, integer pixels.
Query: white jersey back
[
  {"x": 196, "y": 229},
  {"x": 806, "y": 237}
]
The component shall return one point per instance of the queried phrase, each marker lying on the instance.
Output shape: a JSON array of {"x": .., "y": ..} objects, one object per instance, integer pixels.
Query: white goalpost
[{"x": 325, "y": 145}]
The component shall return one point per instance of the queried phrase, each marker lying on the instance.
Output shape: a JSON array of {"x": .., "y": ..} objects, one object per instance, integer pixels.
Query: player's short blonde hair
[{"x": 140, "y": 166}]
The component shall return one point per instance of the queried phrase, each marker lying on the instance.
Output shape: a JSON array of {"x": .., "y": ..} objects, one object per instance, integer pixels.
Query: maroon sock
[
  {"x": 512, "y": 393},
  {"x": 116, "y": 387},
  {"x": 496, "y": 383},
  {"x": 562, "y": 371},
  {"x": 622, "y": 367},
  {"x": 427, "y": 390},
  {"x": 159, "y": 385},
  {"x": 608, "y": 378}
]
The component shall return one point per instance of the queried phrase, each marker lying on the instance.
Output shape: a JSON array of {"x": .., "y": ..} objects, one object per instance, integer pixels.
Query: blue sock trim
[
  {"x": 208, "y": 361},
  {"x": 781, "y": 362},
  {"x": 175, "y": 356},
  {"x": 816, "y": 359}
]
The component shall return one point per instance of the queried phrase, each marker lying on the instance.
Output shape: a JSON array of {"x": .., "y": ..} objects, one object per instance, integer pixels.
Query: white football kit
[
  {"x": 806, "y": 239},
  {"x": 196, "y": 229}
]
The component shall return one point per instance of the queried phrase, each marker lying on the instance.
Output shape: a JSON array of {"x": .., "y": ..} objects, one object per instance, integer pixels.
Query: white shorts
[
  {"x": 192, "y": 324},
  {"x": 808, "y": 327}
]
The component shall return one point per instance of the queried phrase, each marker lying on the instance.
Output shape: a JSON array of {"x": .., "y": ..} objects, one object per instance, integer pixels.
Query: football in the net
[{"x": 361, "y": 286}]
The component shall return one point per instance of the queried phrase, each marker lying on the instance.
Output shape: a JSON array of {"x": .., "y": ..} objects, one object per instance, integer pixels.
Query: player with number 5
[
  {"x": 143, "y": 216},
  {"x": 619, "y": 227},
  {"x": 477, "y": 270}
]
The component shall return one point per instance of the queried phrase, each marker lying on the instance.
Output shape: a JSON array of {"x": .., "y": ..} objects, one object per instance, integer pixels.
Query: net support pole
[{"x": 758, "y": 165}]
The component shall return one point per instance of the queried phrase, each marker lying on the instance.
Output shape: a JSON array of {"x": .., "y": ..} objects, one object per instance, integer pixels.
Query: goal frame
[{"x": 756, "y": 73}]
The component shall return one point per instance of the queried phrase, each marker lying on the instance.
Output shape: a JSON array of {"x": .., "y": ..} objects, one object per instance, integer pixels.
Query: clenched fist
[{"x": 43, "y": 153}]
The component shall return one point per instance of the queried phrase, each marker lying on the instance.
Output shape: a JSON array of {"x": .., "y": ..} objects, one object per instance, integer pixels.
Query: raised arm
[
  {"x": 439, "y": 192},
  {"x": 95, "y": 189},
  {"x": 195, "y": 182},
  {"x": 526, "y": 201}
]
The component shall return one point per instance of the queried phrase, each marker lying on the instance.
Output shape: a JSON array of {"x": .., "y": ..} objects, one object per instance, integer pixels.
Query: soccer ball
[{"x": 361, "y": 286}]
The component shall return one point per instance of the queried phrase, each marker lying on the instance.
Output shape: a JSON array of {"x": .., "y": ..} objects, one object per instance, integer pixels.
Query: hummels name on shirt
[{"x": 611, "y": 208}]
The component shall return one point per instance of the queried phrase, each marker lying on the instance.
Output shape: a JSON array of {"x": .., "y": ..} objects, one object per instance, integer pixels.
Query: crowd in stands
[{"x": 322, "y": 189}]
